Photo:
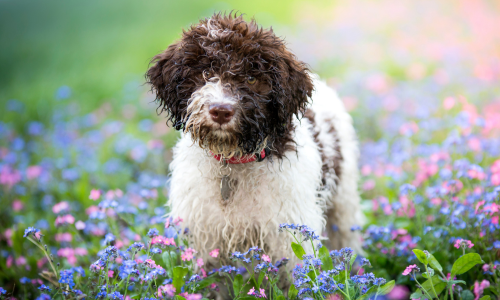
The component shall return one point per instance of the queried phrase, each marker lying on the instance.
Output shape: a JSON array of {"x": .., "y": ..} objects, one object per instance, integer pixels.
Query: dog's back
[{"x": 336, "y": 139}]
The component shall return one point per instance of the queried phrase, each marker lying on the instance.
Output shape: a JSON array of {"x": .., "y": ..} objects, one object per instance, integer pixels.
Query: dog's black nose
[{"x": 221, "y": 113}]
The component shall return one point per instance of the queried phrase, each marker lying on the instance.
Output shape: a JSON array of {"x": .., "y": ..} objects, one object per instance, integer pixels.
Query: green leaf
[
  {"x": 298, "y": 250},
  {"x": 169, "y": 261},
  {"x": 386, "y": 288},
  {"x": 439, "y": 285},
  {"x": 464, "y": 263},
  {"x": 281, "y": 297},
  {"x": 370, "y": 292},
  {"x": 178, "y": 278},
  {"x": 205, "y": 282},
  {"x": 292, "y": 292},
  {"x": 421, "y": 256},
  {"x": 353, "y": 258},
  {"x": 179, "y": 298},
  {"x": 326, "y": 260},
  {"x": 261, "y": 278},
  {"x": 248, "y": 286},
  {"x": 312, "y": 275},
  {"x": 434, "y": 263},
  {"x": 417, "y": 295},
  {"x": 467, "y": 295},
  {"x": 487, "y": 297},
  {"x": 237, "y": 284},
  {"x": 457, "y": 282}
]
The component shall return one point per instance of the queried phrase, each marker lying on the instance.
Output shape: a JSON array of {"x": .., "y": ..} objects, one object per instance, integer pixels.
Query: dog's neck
[{"x": 243, "y": 159}]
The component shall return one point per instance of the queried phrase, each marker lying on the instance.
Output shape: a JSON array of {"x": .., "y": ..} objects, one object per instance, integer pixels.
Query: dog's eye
[
  {"x": 206, "y": 74},
  {"x": 251, "y": 80}
]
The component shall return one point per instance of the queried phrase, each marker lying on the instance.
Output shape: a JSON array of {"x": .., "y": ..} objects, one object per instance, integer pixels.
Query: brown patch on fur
[
  {"x": 232, "y": 49},
  {"x": 328, "y": 162}
]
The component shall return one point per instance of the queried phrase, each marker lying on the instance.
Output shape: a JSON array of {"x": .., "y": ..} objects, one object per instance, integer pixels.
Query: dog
[{"x": 264, "y": 141}]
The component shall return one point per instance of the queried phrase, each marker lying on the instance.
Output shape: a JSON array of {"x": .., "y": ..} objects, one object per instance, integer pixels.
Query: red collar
[{"x": 242, "y": 160}]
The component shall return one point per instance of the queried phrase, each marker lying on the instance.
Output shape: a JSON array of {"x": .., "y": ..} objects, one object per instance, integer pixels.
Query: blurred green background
[{"x": 96, "y": 47}]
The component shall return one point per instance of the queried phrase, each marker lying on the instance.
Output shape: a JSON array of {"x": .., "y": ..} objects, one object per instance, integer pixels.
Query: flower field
[{"x": 83, "y": 185}]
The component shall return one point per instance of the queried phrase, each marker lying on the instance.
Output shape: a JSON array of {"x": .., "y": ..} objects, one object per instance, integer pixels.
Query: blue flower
[
  {"x": 25, "y": 280},
  {"x": 153, "y": 232},
  {"x": 79, "y": 270},
  {"x": 379, "y": 281},
  {"x": 364, "y": 262},
  {"x": 43, "y": 297},
  {"x": 30, "y": 231},
  {"x": 67, "y": 278},
  {"x": 136, "y": 246},
  {"x": 155, "y": 251},
  {"x": 496, "y": 244},
  {"x": 44, "y": 288},
  {"x": 2, "y": 291},
  {"x": 227, "y": 269},
  {"x": 355, "y": 227},
  {"x": 127, "y": 268},
  {"x": 304, "y": 291},
  {"x": 405, "y": 188}
]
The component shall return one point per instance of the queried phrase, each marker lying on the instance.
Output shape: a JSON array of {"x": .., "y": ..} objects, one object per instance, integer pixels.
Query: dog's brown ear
[
  {"x": 166, "y": 80},
  {"x": 293, "y": 88}
]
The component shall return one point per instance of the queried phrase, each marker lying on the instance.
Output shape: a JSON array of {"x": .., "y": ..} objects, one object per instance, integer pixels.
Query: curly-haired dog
[{"x": 264, "y": 141}]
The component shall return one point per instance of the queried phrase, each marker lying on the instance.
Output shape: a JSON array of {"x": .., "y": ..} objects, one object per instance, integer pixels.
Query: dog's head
[{"x": 230, "y": 83}]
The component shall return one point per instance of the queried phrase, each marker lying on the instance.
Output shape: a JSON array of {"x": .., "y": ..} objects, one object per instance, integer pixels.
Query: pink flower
[
  {"x": 66, "y": 219},
  {"x": 167, "y": 223},
  {"x": 95, "y": 194},
  {"x": 486, "y": 268},
  {"x": 200, "y": 262},
  {"x": 150, "y": 263},
  {"x": 369, "y": 185},
  {"x": 448, "y": 103},
  {"x": 191, "y": 296},
  {"x": 81, "y": 251},
  {"x": 64, "y": 237},
  {"x": 263, "y": 293},
  {"x": 251, "y": 292},
  {"x": 17, "y": 205},
  {"x": 60, "y": 207},
  {"x": 9, "y": 262},
  {"x": 110, "y": 194},
  {"x": 214, "y": 253},
  {"x": 33, "y": 172},
  {"x": 177, "y": 221},
  {"x": 463, "y": 243},
  {"x": 79, "y": 225},
  {"x": 479, "y": 288},
  {"x": 21, "y": 260},
  {"x": 188, "y": 254},
  {"x": 366, "y": 170},
  {"x": 266, "y": 258},
  {"x": 111, "y": 273},
  {"x": 203, "y": 273},
  {"x": 410, "y": 269},
  {"x": 168, "y": 289}
]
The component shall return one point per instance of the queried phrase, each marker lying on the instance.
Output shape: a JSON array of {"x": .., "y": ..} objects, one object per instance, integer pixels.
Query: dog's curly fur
[
  {"x": 233, "y": 49},
  {"x": 315, "y": 179}
]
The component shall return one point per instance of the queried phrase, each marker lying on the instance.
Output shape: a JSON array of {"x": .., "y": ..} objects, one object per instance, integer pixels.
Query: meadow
[{"x": 84, "y": 156}]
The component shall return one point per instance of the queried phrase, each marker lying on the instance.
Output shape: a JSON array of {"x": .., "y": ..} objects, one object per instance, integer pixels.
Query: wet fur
[{"x": 313, "y": 181}]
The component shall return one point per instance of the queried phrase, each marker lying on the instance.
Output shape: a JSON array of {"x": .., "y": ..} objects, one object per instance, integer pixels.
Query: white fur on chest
[{"x": 265, "y": 194}]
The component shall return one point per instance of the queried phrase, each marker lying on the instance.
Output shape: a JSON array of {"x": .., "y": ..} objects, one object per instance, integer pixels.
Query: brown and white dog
[{"x": 263, "y": 142}]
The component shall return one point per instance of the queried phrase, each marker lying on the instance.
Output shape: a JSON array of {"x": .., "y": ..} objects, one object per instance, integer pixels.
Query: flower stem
[
  {"x": 430, "y": 279},
  {"x": 46, "y": 254}
]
